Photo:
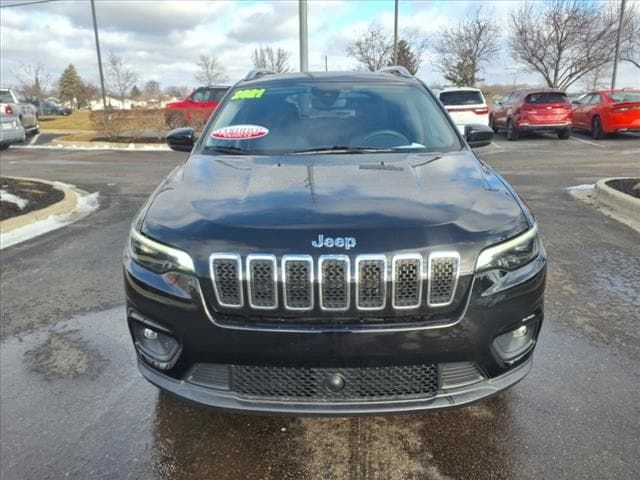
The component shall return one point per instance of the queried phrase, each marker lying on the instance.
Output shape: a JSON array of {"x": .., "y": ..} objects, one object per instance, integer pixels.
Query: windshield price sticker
[
  {"x": 240, "y": 132},
  {"x": 248, "y": 94}
]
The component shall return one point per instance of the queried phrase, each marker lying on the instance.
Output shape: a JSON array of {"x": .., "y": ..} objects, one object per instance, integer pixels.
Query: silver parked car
[{"x": 11, "y": 131}]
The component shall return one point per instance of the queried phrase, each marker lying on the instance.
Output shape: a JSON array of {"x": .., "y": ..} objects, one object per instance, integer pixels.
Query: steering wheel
[{"x": 384, "y": 138}]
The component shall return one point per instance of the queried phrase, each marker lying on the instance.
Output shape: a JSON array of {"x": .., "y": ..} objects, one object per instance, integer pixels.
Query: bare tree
[
  {"x": 120, "y": 77},
  {"x": 267, "y": 57},
  {"x": 210, "y": 70},
  {"x": 630, "y": 46},
  {"x": 563, "y": 40},
  {"x": 176, "y": 91},
  {"x": 151, "y": 90},
  {"x": 34, "y": 80},
  {"x": 463, "y": 48},
  {"x": 373, "y": 49},
  {"x": 599, "y": 77}
]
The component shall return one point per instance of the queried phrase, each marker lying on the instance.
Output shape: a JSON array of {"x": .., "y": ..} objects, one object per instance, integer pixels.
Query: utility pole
[
  {"x": 95, "y": 31},
  {"x": 326, "y": 63},
  {"x": 304, "y": 40},
  {"x": 617, "y": 57},
  {"x": 395, "y": 34}
]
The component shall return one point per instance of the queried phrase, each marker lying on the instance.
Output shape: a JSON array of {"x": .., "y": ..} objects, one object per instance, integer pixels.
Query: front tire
[
  {"x": 596, "y": 129},
  {"x": 512, "y": 131},
  {"x": 564, "y": 134},
  {"x": 492, "y": 124},
  {"x": 4, "y": 146}
]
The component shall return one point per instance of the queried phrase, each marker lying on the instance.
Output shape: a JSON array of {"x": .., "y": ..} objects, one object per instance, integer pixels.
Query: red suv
[
  {"x": 608, "y": 111},
  {"x": 533, "y": 110},
  {"x": 197, "y": 107}
]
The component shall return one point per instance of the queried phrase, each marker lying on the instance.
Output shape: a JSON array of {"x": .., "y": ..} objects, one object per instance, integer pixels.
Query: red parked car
[
  {"x": 538, "y": 109},
  {"x": 196, "y": 108},
  {"x": 608, "y": 111}
]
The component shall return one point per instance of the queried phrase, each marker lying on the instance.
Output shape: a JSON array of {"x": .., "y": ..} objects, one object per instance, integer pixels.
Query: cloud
[{"x": 162, "y": 40}]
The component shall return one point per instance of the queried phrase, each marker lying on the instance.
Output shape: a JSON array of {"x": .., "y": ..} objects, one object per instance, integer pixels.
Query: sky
[{"x": 162, "y": 40}]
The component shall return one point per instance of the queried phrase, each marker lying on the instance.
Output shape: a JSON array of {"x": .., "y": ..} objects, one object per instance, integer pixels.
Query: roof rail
[
  {"x": 256, "y": 73},
  {"x": 396, "y": 70}
]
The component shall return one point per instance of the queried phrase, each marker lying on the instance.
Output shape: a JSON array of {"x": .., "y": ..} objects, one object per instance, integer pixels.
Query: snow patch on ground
[
  {"x": 11, "y": 198},
  {"x": 584, "y": 186},
  {"x": 84, "y": 205},
  {"x": 127, "y": 148}
]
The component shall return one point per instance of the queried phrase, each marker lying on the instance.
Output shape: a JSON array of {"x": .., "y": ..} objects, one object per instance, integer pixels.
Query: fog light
[
  {"x": 150, "y": 334},
  {"x": 515, "y": 343},
  {"x": 520, "y": 332},
  {"x": 158, "y": 348}
]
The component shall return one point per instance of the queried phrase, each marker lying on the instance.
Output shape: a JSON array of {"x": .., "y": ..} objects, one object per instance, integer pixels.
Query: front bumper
[
  {"x": 454, "y": 397},
  {"x": 470, "y": 338}
]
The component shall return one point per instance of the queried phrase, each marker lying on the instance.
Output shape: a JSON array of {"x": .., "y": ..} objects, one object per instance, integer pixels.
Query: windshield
[
  {"x": 343, "y": 118},
  {"x": 625, "y": 96},
  {"x": 547, "y": 97},
  {"x": 461, "y": 97}
]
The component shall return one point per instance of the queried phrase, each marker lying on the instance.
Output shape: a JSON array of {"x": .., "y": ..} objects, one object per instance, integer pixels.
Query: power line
[{"x": 24, "y": 4}]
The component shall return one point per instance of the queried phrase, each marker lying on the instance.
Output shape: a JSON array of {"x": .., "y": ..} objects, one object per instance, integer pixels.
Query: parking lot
[{"x": 74, "y": 405}]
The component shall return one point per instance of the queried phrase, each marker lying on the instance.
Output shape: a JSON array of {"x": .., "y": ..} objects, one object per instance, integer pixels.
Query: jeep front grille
[
  {"x": 407, "y": 281},
  {"x": 262, "y": 277},
  {"x": 443, "y": 276},
  {"x": 371, "y": 277},
  {"x": 297, "y": 281},
  {"x": 334, "y": 282},
  {"x": 225, "y": 275},
  {"x": 376, "y": 284}
]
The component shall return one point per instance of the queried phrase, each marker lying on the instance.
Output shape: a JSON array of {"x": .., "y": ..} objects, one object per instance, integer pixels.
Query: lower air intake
[{"x": 315, "y": 384}]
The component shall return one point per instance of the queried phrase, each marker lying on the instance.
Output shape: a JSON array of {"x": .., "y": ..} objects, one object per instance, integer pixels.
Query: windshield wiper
[
  {"x": 222, "y": 149},
  {"x": 344, "y": 149}
]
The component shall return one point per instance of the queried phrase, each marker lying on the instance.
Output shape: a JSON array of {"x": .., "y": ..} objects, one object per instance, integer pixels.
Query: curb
[
  {"x": 625, "y": 206},
  {"x": 64, "y": 206},
  {"x": 110, "y": 145}
]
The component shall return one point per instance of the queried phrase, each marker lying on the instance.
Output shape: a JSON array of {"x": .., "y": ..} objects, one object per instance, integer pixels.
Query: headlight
[
  {"x": 158, "y": 257},
  {"x": 511, "y": 254}
]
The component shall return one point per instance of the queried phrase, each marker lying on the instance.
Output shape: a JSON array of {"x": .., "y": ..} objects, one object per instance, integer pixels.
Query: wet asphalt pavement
[{"x": 74, "y": 406}]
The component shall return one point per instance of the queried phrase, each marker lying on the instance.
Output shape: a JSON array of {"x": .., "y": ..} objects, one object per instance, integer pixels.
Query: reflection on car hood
[{"x": 259, "y": 202}]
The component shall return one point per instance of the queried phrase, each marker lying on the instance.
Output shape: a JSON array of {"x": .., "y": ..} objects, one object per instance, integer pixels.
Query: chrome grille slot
[
  {"x": 407, "y": 281},
  {"x": 225, "y": 272},
  {"x": 443, "y": 278},
  {"x": 297, "y": 280},
  {"x": 261, "y": 281},
  {"x": 334, "y": 272},
  {"x": 371, "y": 278}
]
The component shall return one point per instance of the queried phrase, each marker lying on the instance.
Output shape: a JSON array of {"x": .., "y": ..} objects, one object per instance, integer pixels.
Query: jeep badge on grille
[{"x": 339, "y": 242}]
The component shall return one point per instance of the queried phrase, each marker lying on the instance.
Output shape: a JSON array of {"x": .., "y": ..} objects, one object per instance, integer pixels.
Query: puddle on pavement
[
  {"x": 92, "y": 415},
  {"x": 64, "y": 356}
]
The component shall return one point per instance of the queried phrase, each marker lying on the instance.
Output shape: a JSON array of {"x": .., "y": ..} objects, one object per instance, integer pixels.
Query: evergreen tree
[
  {"x": 406, "y": 57},
  {"x": 135, "y": 93},
  {"x": 70, "y": 86}
]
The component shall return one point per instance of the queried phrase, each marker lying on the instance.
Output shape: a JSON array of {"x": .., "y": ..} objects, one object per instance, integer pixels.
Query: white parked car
[
  {"x": 11, "y": 131},
  {"x": 465, "y": 105},
  {"x": 13, "y": 103}
]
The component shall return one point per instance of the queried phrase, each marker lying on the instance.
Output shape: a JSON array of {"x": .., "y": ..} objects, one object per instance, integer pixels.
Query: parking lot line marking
[
  {"x": 587, "y": 141},
  {"x": 34, "y": 139}
]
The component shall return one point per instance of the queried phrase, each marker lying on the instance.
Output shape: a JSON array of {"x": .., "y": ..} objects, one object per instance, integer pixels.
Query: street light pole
[
  {"x": 95, "y": 31},
  {"x": 395, "y": 34},
  {"x": 617, "y": 57},
  {"x": 304, "y": 40}
]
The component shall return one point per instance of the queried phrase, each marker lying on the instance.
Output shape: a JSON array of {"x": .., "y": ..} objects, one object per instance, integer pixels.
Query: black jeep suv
[{"x": 333, "y": 246}]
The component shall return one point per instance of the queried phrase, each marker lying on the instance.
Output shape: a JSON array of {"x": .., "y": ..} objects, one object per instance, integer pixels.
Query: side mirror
[
  {"x": 478, "y": 135},
  {"x": 575, "y": 102},
  {"x": 181, "y": 139}
]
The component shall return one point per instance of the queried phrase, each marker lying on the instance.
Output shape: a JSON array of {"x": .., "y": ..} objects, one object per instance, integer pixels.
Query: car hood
[{"x": 279, "y": 204}]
